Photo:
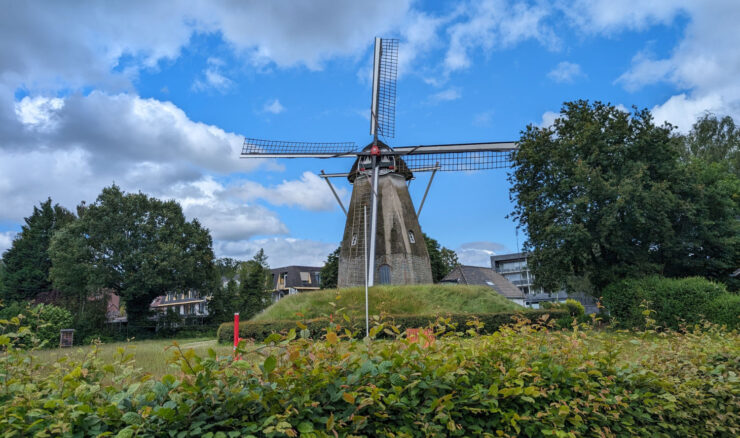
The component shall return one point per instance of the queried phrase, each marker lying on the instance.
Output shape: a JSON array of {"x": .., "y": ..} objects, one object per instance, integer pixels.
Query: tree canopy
[
  {"x": 254, "y": 283},
  {"x": 443, "y": 260},
  {"x": 330, "y": 271},
  {"x": 27, "y": 262},
  {"x": 603, "y": 195},
  {"x": 139, "y": 247},
  {"x": 714, "y": 140}
]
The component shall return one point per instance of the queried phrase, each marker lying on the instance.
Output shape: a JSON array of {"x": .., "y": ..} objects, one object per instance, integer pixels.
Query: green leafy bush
[
  {"x": 258, "y": 330},
  {"x": 675, "y": 301},
  {"x": 725, "y": 309},
  {"x": 44, "y": 321},
  {"x": 523, "y": 380}
]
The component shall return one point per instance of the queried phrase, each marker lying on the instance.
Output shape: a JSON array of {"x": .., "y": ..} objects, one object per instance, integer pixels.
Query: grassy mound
[{"x": 428, "y": 299}]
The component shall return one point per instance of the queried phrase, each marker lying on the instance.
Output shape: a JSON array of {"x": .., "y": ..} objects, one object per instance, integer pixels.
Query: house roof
[
  {"x": 482, "y": 276},
  {"x": 512, "y": 256},
  {"x": 294, "y": 279}
]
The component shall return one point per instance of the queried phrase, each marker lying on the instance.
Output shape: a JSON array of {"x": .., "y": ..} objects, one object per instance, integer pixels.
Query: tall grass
[
  {"x": 150, "y": 355},
  {"x": 424, "y": 299}
]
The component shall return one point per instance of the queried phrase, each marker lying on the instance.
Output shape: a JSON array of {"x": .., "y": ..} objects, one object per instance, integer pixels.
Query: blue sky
[{"x": 157, "y": 97}]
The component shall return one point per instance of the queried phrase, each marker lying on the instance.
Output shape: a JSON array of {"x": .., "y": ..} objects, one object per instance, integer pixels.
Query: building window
[
  {"x": 385, "y": 274},
  {"x": 305, "y": 277},
  {"x": 411, "y": 237},
  {"x": 354, "y": 239}
]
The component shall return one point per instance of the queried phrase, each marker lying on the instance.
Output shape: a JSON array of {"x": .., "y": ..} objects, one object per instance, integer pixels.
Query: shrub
[
  {"x": 725, "y": 309},
  {"x": 674, "y": 301},
  {"x": 523, "y": 380},
  {"x": 491, "y": 322},
  {"x": 44, "y": 321}
]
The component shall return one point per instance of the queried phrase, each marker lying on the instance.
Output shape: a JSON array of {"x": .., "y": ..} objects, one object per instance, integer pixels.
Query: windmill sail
[
  {"x": 457, "y": 157},
  {"x": 383, "y": 104},
  {"x": 256, "y": 148}
]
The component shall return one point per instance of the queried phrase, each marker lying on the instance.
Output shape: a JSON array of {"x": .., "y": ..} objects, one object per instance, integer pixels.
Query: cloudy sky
[{"x": 157, "y": 97}]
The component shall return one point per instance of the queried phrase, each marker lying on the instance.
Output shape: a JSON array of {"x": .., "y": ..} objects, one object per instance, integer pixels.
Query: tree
[
  {"x": 27, "y": 261},
  {"x": 603, "y": 196},
  {"x": 254, "y": 282},
  {"x": 330, "y": 271},
  {"x": 443, "y": 259},
  {"x": 137, "y": 246},
  {"x": 714, "y": 140},
  {"x": 225, "y": 290}
]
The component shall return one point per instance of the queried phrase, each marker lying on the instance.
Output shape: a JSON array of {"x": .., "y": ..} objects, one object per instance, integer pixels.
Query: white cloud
[
  {"x": 310, "y": 193},
  {"x": 280, "y": 251},
  {"x": 273, "y": 107},
  {"x": 41, "y": 50},
  {"x": 704, "y": 65},
  {"x": 479, "y": 253},
  {"x": 548, "y": 119},
  {"x": 447, "y": 95},
  {"x": 213, "y": 78},
  {"x": 38, "y": 112},
  {"x": 565, "y": 72},
  {"x": 493, "y": 24},
  {"x": 682, "y": 111},
  {"x": 6, "y": 240}
]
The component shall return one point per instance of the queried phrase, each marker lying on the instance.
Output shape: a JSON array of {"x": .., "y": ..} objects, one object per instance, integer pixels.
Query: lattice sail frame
[
  {"x": 458, "y": 161},
  {"x": 254, "y": 147},
  {"x": 385, "y": 72}
]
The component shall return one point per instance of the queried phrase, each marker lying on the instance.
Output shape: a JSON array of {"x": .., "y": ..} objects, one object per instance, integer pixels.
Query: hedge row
[
  {"x": 522, "y": 381},
  {"x": 316, "y": 327},
  {"x": 673, "y": 302}
]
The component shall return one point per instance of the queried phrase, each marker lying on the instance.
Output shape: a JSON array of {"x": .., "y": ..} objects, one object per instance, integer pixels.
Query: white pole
[
  {"x": 367, "y": 316},
  {"x": 373, "y": 224}
]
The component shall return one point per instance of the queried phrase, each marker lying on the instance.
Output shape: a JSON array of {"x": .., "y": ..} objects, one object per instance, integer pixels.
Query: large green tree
[
  {"x": 225, "y": 298},
  {"x": 330, "y": 271},
  {"x": 714, "y": 140},
  {"x": 135, "y": 245},
  {"x": 603, "y": 195},
  {"x": 254, "y": 284},
  {"x": 443, "y": 260},
  {"x": 27, "y": 261}
]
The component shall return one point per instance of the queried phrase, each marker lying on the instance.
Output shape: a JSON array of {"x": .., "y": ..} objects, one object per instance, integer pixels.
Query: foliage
[
  {"x": 603, "y": 196},
  {"x": 43, "y": 320},
  {"x": 725, "y": 309},
  {"x": 137, "y": 246},
  {"x": 524, "y": 380},
  {"x": 330, "y": 271},
  {"x": 424, "y": 299},
  {"x": 27, "y": 261},
  {"x": 443, "y": 259},
  {"x": 254, "y": 283},
  {"x": 714, "y": 140},
  {"x": 486, "y": 323},
  {"x": 707, "y": 237},
  {"x": 225, "y": 290},
  {"x": 674, "y": 301}
]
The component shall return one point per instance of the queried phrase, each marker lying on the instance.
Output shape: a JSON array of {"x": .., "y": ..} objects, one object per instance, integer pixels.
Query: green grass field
[
  {"x": 151, "y": 355},
  {"x": 425, "y": 299}
]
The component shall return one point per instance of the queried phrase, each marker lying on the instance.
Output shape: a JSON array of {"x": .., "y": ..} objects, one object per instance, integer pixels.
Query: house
[
  {"x": 484, "y": 276},
  {"x": 188, "y": 303},
  {"x": 290, "y": 280},
  {"x": 514, "y": 268}
]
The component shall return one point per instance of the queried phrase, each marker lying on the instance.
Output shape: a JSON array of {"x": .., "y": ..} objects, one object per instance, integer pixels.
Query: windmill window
[
  {"x": 411, "y": 237},
  {"x": 354, "y": 239},
  {"x": 385, "y": 274}
]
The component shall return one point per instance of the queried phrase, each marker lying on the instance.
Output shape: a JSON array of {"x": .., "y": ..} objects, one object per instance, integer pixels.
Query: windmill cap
[{"x": 401, "y": 167}]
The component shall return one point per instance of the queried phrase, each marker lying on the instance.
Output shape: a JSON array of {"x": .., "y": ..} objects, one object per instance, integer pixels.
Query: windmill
[{"x": 396, "y": 252}]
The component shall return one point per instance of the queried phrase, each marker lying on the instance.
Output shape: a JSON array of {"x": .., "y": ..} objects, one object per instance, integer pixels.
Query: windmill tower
[{"x": 395, "y": 251}]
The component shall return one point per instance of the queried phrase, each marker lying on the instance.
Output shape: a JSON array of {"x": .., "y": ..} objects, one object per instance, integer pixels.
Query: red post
[{"x": 236, "y": 334}]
